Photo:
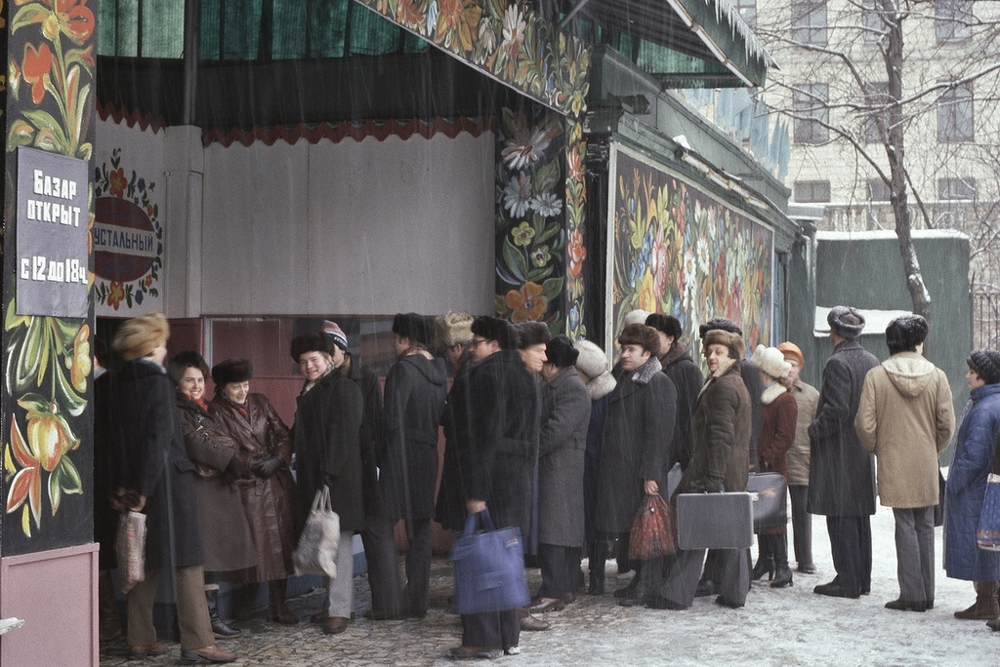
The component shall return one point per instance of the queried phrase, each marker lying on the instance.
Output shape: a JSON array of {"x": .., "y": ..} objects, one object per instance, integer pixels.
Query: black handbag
[{"x": 770, "y": 507}]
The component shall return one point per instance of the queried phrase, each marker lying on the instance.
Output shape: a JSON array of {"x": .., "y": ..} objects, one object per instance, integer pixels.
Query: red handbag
[{"x": 652, "y": 533}]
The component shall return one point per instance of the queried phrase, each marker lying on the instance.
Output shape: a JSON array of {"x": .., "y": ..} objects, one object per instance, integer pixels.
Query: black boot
[
  {"x": 221, "y": 629},
  {"x": 243, "y": 599},
  {"x": 597, "y": 555},
  {"x": 765, "y": 558},
  {"x": 277, "y": 610},
  {"x": 782, "y": 573}
]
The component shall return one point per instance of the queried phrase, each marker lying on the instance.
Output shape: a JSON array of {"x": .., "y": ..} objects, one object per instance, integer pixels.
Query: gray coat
[
  {"x": 841, "y": 472},
  {"x": 561, "y": 450}
]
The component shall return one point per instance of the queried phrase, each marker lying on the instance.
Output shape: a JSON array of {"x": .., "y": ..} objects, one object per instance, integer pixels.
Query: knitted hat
[
  {"x": 665, "y": 324},
  {"x": 336, "y": 334},
  {"x": 640, "y": 334},
  {"x": 637, "y": 316},
  {"x": 846, "y": 322},
  {"x": 732, "y": 340},
  {"x": 183, "y": 361},
  {"x": 313, "y": 341},
  {"x": 905, "y": 333},
  {"x": 141, "y": 335},
  {"x": 792, "y": 353},
  {"x": 986, "y": 363},
  {"x": 532, "y": 333},
  {"x": 560, "y": 351},
  {"x": 494, "y": 328},
  {"x": 720, "y": 323},
  {"x": 412, "y": 326},
  {"x": 771, "y": 361},
  {"x": 592, "y": 360},
  {"x": 231, "y": 370},
  {"x": 452, "y": 329}
]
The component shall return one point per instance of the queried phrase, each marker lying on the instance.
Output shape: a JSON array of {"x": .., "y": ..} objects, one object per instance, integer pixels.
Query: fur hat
[
  {"x": 452, "y": 328},
  {"x": 719, "y": 323},
  {"x": 986, "y": 363},
  {"x": 771, "y": 361},
  {"x": 792, "y": 352},
  {"x": 183, "y": 361},
  {"x": 494, "y": 328},
  {"x": 532, "y": 333},
  {"x": 412, "y": 326},
  {"x": 313, "y": 341},
  {"x": 640, "y": 334},
  {"x": 560, "y": 352},
  {"x": 904, "y": 333},
  {"x": 336, "y": 334},
  {"x": 730, "y": 339},
  {"x": 846, "y": 322},
  {"x": 592, "y": 360},
  {"x": 231, "y": 370},
  {"x": 637, "y": 316},
  {"x": 665, "y": 324},
  {"x": 141, "y": 335}
]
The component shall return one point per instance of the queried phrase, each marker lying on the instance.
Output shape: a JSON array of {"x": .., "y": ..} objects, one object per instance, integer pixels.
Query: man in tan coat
[{"x": 906, "y": 419}]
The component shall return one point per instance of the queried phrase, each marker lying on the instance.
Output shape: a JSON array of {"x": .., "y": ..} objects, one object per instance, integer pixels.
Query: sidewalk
[{"x": 791, "y": 626}]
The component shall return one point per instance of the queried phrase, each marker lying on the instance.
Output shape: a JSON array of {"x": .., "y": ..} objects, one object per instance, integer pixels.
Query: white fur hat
[
  {"x": 592, "y": 360},
  {"x": 771, "y": 361},
  {"x": 637, "y": 316}
]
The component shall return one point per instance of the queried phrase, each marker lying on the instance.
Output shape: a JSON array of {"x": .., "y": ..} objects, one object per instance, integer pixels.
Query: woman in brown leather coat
[{"x": 268, "y": 496}]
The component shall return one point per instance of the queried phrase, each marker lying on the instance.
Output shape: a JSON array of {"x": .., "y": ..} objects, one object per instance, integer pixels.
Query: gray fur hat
[
  {"x": 592, "y": 361},
  {"x": 719, "y": 324},
  {"x": 846, "y": 322}
]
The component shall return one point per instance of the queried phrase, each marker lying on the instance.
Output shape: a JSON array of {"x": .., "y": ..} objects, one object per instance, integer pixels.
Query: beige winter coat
[
  {"x": 906, "y": 418},
  {"x": 798, "y": 454}
]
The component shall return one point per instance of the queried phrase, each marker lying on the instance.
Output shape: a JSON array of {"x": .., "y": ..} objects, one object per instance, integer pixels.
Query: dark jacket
[
  {"x": 777, "y": 433},
  {"x": 371, "y": 426},
  {"x": 456, "y": 466},
  {"x": 225, "y": 530},
  {"x": 841, "y": 472},
  {"x": 687, "y": 378},
  {"x": 107, "y": 455},
  {"x": 156, "y": 465},
  {"x": 638, "y": 432},
  {"x": 751, "y": 380},
  {"x": 269, "y": 503},
  {"x": 327, "y": 434}
]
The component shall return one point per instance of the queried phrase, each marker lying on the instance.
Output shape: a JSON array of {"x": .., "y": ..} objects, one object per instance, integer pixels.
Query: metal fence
[{"x": 986, "y": 320}]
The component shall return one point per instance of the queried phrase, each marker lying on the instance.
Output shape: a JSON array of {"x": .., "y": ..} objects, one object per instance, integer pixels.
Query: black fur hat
[
  {"x": 665, "y": 324},
  {"x": 231, "y": 370},
  {"x": 717, "y": 323},
  {"x": 494, "y": 328},
  {"x": 561, "y": 352},
  {"x": 986, "y": 363},
  {"x": 846, "y": 322},
  {"x": 904, "y": 333},
  {"x": 412, "y": 326},
  {"x": 313, "y": 341},
  {"x": 532, "y": 333}
]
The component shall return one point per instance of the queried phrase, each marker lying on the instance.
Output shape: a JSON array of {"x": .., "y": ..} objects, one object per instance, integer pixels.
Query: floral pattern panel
[
  {"x": 679, "y": 251},
  {"x": 576, "y": 250},
  {"x": 46, "y": 439}
]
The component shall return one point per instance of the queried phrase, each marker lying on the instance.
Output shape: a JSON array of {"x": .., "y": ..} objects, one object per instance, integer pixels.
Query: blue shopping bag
[
  {"x": 489, "y": 568},
  {"x": 988, "y": 531}
]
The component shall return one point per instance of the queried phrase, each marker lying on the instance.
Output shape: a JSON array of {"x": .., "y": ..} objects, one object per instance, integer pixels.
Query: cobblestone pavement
[{"x": 790, "y": 626}]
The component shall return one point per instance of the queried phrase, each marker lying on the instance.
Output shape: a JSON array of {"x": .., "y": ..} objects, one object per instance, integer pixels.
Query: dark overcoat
[
  {"x": 107, "y": 456},
  {"x": 156, "y": 465},
  {"x": 638, "y": 433},
  {"x": 327, "y": 435},
  {"x": 455, "y": 484},
  {"x": 687, "y": 378},
  {"x": 371, "y": 427},
  {"x": 562, "y": 445},
  {"x": 841, "y": 472},
  {"x": 225, "y": 531},
  {"x": 269, "y": 503}
]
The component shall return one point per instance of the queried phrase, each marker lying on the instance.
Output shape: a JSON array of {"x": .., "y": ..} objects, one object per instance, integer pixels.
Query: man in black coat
[{"x": 841, "y": 471}]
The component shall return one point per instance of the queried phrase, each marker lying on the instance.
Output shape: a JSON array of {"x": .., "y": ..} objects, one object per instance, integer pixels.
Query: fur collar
[
  {"x": 645, "y": 373},
  {"x": 676, "y": 352},
  {"x": 601, "y": 386},
  {"x": 771, "y": 392}
]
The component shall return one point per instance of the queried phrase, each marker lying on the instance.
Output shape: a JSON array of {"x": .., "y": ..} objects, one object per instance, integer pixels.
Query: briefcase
[
  {"x": 715, "y": 520},
  {"x": 769, "y": 492}
]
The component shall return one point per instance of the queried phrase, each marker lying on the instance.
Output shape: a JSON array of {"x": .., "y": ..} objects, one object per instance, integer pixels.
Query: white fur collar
[
  {"x": 771, "y": 392},
  {"x": 601, "y": 386}
]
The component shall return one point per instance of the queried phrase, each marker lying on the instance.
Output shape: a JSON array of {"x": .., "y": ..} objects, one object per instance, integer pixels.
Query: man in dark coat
[
  {"x": 326, "y": 434},
  {"x": 415, "y": 390},
  {"x": 687, "y": 378},
  {"x": 453, "y": 335},
  {"x": 841, "y": 472}
]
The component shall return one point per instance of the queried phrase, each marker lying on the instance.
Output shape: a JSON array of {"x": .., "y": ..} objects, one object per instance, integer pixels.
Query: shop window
[
  {"x": 955, "y": 119},
  {"x": 811, "y": 192},
  {"x": 809, "y": 22},
  {"x": 878, "y": 190},
  {"x": 952, "y": 20},
  {"x": 811, "y": 113},
  {"x": 956, "y": 188}
]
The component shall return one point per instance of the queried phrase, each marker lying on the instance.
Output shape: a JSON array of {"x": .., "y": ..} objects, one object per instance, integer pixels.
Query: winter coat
[
  {"x": 806, "y": 397},
  {"x": 721, "y": 428},
  {"x": 906, "y": 418},
  {"x": 450, "y": 509},
  {"x": 841, "y": 472},
  {"x": 777, "y": 430},
  {"x": 415, "y": 391},
  {"x": 371, "y": 426},
  {"x": 562, "y": 444},
  {"x": 156, "y": 465},
  {"x": 687, "y": 379},
  {"x": 225, "y": 531},
  {"x": 638, "y": 433},
  {"x": 107, "y": 455},
  {"x": 269, "y": 503},
  {"x": 975, "y": 445},
  {"x": 327, "y": 437},
  {"x": 751, "y": 380},
  {"x": 599, "y": 389}
]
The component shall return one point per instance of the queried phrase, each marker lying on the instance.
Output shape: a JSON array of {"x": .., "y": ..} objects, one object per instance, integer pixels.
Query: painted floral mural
[
  {"x": 576, "y": 250},
  {"x": 679, "y": 252}
]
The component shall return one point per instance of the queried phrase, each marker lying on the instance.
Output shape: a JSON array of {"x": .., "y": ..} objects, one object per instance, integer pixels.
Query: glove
[
  {"x": 264, "y": 466},
  {"x": 239, "y": 467}
]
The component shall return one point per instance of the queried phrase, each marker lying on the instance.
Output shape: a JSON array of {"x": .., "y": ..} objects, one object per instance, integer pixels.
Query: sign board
[{"x": 52, "y": 256}]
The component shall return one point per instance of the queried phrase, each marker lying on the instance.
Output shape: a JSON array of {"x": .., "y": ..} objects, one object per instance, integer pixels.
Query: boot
[
  {"x": 782, "y": 573},
  {"x": 277, "y": 610},
  {"x": 221, "y": 629},
  {"x": 765, "y": 559},
  {"x": 107, "y": 604},
  {"x": 243, "y": 599},
  {"x": 597, "y": 558},
  {"x": 986, "y": 606}
]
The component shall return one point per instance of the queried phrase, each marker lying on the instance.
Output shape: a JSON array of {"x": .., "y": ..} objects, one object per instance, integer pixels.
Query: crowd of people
[{"x": 549, "y": 437}]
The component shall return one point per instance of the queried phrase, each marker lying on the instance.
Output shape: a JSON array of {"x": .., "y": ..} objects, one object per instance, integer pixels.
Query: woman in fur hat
[
  {"x": 268, "y": 495},
  {"x": 777, "y": 432}
]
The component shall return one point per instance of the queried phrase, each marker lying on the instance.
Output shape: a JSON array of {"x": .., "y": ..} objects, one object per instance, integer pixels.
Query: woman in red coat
[{"x": 777, "y": 432}]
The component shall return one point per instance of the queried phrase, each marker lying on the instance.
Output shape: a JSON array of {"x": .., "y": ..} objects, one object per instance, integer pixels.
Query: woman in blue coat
[{"x": 975, "y": 445}]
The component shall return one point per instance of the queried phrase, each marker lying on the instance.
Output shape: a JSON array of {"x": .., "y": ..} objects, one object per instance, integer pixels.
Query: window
[
  {"x": 811, "y": 113},
  {"x": 809, "y": 21},
  {"x": 876, "y": 96},
  {"x": 955, "y": 114},
  {"x": 952, "y": 20},
  {"x": 747, "y": 10},
  {"x": 956, "y": 188},
  {"x": 871, "y": 22},
  {"x": 811, "y": 191},
  {"x": 878, "y": 190}
]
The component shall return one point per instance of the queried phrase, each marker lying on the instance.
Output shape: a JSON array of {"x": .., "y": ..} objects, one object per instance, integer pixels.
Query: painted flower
[
  {"x": 577, "y": 253},
  {"x": 14, "y": 77},
  {"x": 517, "y": 195},
  {"x": 457, "y": 24},
  {"x": 540, "y": 256},
  {"x": 115, "y": 294},
  {"x": 27, "y": 482},
  {"x": 523, "y": 151},
  {"x": 80, "y": 364},
  {"x": 487, "y": 36},
  {"x": 523, "y": 234},
  {"x": 547, "y": 204},
  {"x": 71, "y": 17},
  {"x": 117, "y": 182},
  {"x": 141, "y": 185},
  {"x": 647, "y": 295},
  {"x": 527, "y": 303},
  {"x": 409, "y": 14},
  {"x": 513, "y": 31},
  {"x": 37, "y": 70},
  {"x": 139, "y": 296},
  {"x": 659, "y": 263},
  {"x": 574, "y": 317},
  {"x": 574, "y": 165},
  {"x": 49, "y": 436},
  {"x": 149, "y": 280}
]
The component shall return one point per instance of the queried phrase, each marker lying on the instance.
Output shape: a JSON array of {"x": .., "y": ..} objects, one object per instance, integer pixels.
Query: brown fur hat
[
  {"x": 141, "y": 335},
  {"x": 731, "y": 340},
  {"x": 640, "y": 334}
]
